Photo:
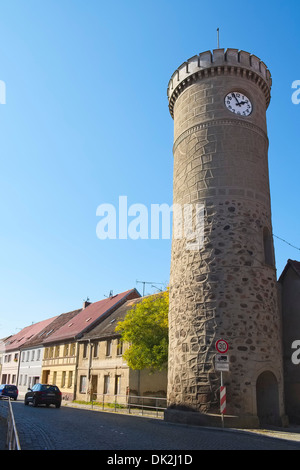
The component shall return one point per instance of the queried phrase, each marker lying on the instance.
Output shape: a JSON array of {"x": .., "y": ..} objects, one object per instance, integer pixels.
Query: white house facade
[{"x": 30, "y": 368}]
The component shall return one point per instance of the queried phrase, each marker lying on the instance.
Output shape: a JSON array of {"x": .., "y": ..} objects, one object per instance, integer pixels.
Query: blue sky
[{"x": 86, "y": 120}]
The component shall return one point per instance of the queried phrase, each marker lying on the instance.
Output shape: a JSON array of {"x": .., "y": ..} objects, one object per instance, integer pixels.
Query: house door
[
  {"x": 94, "y": 387},
  {"x": 45, "y": 377}
]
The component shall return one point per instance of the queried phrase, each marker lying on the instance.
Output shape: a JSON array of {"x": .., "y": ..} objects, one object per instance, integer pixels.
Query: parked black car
[
  {"x": 7, "y": 390},
  {"x": 42, "y": 394}
]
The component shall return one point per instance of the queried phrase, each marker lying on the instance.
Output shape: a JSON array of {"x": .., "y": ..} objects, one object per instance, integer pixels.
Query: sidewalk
[{"x": 291, "y": 433}]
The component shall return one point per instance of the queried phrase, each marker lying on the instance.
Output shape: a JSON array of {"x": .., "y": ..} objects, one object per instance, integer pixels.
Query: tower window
[{"x": 268, "y": 247}]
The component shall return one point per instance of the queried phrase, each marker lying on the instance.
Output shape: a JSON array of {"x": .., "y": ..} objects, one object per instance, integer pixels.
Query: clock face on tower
[{"x": 238, "y": 103}]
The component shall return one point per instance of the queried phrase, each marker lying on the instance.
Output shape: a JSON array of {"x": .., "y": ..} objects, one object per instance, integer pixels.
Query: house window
[
  {"x": 106, "y": 384},
  {"x": 119, "y": 347},
  {"x": 63, "y": 379},
  {"x": 66, "y": 350},
  {"x": 95, "y": 353},
  {"x": 85, "y": 346},
  {"x": 70, "y": 379},
  {"x": 54, "y": 377},
  {"x": 72, "y": 349},
  {"x": 35, "y": 380},
  {"x": 56, "y": 351},
  {"x": 108, "y": 347},
  {"x": 82, "y": 384}
]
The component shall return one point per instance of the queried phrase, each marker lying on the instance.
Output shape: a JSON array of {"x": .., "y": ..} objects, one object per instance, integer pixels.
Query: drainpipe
[
  {"x": 76, "y": 370},
  {"x": 18, "y": 371},
  {"x": 89, "y": 370}
]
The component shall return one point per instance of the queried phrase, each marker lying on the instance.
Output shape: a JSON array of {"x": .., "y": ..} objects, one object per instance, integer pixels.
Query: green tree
[{"x": 145, "y": 328}]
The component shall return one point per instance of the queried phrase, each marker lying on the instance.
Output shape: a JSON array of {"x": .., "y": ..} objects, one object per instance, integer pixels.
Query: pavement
[{"x": 291, "y": 433}]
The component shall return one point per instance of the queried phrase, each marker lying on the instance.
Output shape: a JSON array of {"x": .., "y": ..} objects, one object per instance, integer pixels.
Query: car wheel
[
  {"x": 26, "y": 402},
  {"x": 57, "y": 405},
  {"x": 34, "y": 402}
]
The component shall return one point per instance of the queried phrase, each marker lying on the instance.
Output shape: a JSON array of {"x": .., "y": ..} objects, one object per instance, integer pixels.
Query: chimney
[{"x": 86, "y": 304}]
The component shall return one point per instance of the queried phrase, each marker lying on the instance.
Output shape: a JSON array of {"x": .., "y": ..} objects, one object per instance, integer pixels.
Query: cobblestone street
[{"x": 70, "y": 428}]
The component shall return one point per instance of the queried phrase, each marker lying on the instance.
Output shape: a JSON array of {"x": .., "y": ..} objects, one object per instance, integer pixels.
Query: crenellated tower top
[{"x": 219, "y": 62}]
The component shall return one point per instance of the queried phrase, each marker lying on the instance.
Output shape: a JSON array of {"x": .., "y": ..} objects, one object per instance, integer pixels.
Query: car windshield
[
  {"x": 49, "y": 388},
  {"x": 10, "y": 387}
]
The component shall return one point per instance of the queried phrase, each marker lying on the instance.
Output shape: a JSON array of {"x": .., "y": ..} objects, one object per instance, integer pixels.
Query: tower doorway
[{"x": 267, "y": 399}]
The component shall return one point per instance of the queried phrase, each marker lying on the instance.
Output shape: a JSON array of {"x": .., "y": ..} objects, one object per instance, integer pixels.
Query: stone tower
[{"x": 226, "y": 289}]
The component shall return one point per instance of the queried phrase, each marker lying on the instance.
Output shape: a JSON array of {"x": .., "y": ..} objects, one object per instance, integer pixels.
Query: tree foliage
[{"x": 145, "y": 328}]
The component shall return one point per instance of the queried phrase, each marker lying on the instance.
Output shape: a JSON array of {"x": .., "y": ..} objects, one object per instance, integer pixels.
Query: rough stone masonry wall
[{"x": 225, "y": 289}]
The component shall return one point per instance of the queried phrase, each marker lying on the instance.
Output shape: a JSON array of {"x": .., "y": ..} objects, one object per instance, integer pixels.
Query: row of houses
[{"x": 80, "y": 352}]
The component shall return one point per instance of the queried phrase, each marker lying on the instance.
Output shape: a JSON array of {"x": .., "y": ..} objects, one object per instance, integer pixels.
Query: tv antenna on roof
[
  {"x": 146, "y": 282},
  {"x": 156, "y": 287},
  {"x": 111, "y": 293}
]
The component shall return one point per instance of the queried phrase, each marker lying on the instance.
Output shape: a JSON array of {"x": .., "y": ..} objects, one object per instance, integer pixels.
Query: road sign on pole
[
  {"x": 222, "y": 362},
  {"x": 222, "y": 346}
]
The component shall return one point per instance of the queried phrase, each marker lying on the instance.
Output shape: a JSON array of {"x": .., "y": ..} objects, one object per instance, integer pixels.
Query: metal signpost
[{"x": 222, "y": 364}]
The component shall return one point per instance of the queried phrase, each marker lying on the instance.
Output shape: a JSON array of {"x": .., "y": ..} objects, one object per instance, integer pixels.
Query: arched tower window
[{"x": 268, "y": 247}]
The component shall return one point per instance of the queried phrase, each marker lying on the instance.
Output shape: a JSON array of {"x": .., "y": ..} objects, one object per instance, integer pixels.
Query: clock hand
[{"x": 236, "y": 99}]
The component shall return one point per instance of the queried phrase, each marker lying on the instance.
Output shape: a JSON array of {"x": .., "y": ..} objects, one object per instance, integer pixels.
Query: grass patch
[{"x": 97, "y": 403}]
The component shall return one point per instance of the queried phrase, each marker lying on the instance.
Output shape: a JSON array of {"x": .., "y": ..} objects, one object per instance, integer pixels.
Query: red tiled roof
[
  {"x": 90, "y": 316},
  {"x": 14, "y": 342},
  {"x": 51, "y": 328}
]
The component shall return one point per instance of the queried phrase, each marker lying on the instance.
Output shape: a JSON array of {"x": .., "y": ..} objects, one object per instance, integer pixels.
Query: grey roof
[
  {"x": 51, "y": 328},
  {"x": 295, "y": 265}
]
